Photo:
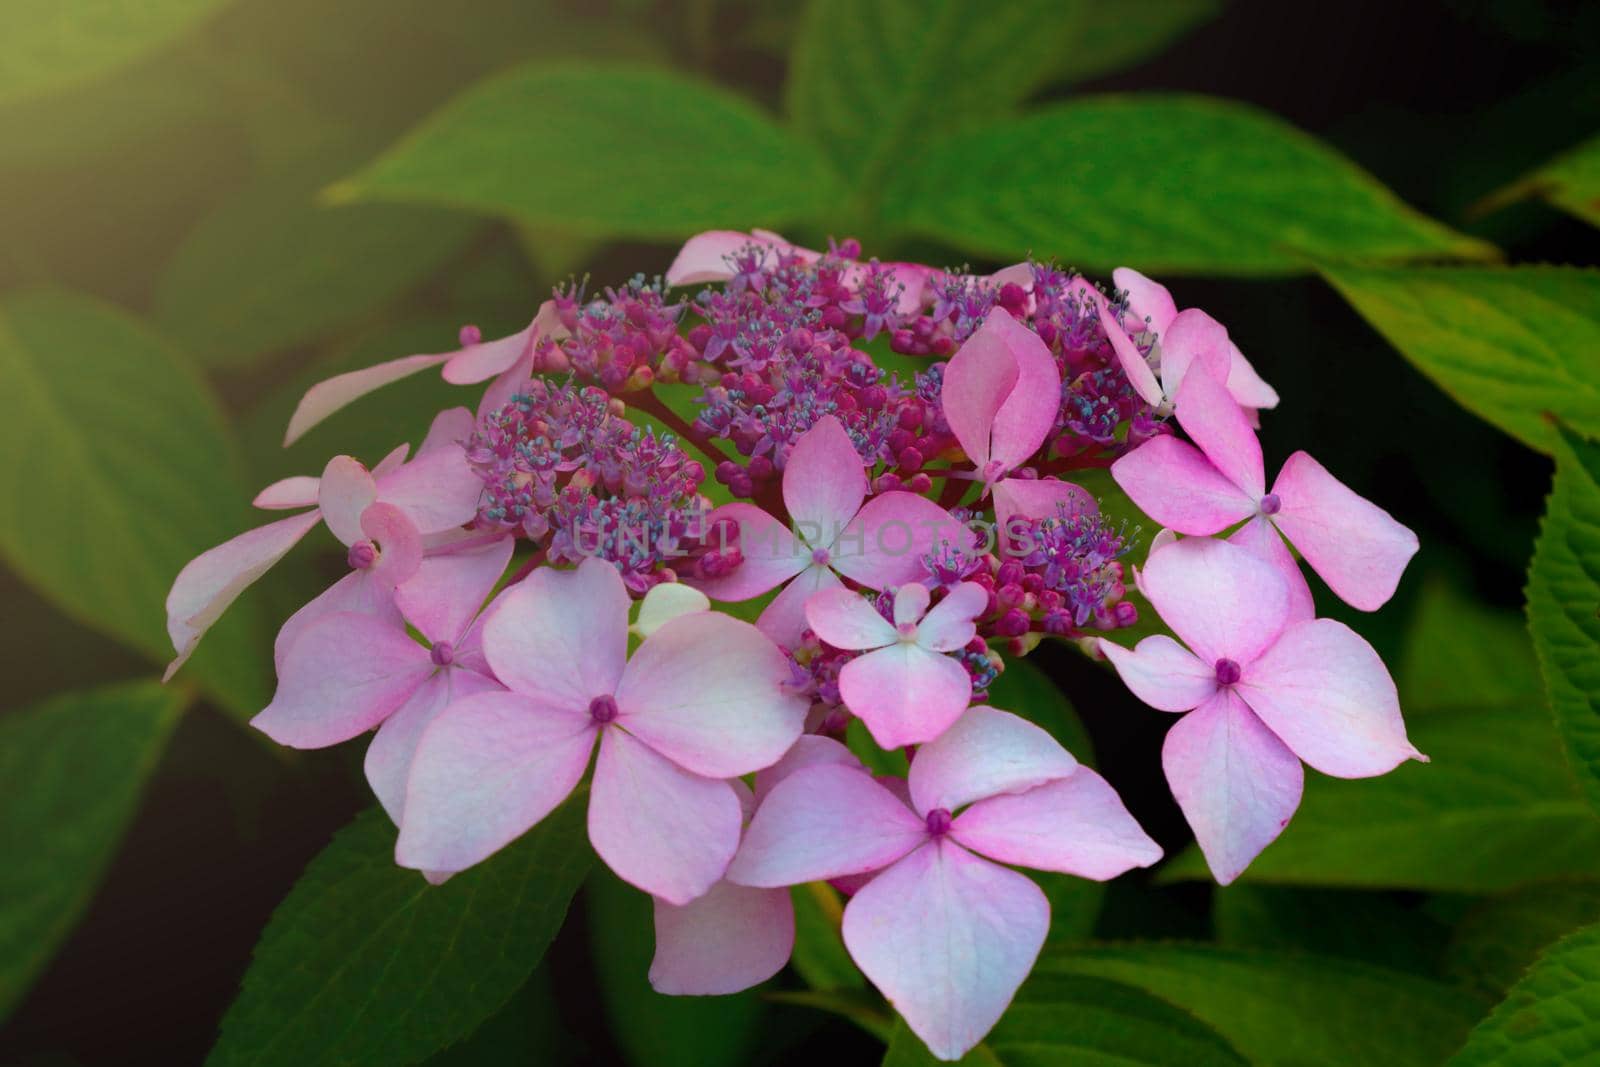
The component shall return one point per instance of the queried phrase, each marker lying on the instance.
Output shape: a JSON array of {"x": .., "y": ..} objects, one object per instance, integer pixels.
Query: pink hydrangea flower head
[
  {"x": 1356, "y": 546},
  {"x": 879, "y": 543},
  {"x": 701, "y": 701},
  {"x": 1263, "y": 692},
  {"x": 942, "y": 929},
  {"x": 903, "y": 686}
]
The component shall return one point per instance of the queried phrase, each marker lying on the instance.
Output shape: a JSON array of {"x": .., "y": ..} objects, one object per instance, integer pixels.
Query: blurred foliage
[{"x": 212, "y": 204}]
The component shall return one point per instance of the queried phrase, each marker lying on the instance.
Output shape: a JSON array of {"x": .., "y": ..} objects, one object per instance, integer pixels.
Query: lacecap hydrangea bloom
[{"x": 693, "y": 529}]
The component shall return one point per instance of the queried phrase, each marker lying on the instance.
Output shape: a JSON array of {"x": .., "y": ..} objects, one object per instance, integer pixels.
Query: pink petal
[
  {"x": 1193, "y": 337},
  {"x": 977, "y": 380},
  {"x": 388, "y": 762},
  {"x": 1029, "y": 410},
  {"x": 809, "y": 751},
  {"x": 393, "y": 461},
  {"x": 450, "y": 427},
  {"x": 324, "y": 398},
  {"x": 772, "y": 554},
  {"x": 1238, "y": 785},
  {"x": 704, "y": 257},
  {"x": 1262, "y": 538},
  {"x": 1163, "y": 673},
  {"x": 1356, "y": 546},
  {"x": 484, "y": 772},
  {"x": 1147, "y": 299},
  {"x": 1076, "y": 825},
  {"x": 910, "y": 601},
  {"x": 299, "y": 491},
  {"x": 359, "y": 592},
  {"x": 824, "y": 821},
  {"x": 561, "y": 636},
  {"x": 711, "y": 694},
  {"x": 1324, "y": 691},
  {"x": 845, "y": 619},
  {"x": 884, "y": 544},
  {"x": 784, "y": 620},
  {"x": 450, "y": 587},
  {"x": 1247, "y": 386},
  {"x": 1039, "y": 498},
  {"x": 346, "y": 490},
  {"x": 1221, "y": 600},
  {"x": 659, "y": 827},
  {"x": 480, "y": 362},
  {"x": 1133, "y": 363},
  {"x": 905, "y": 694},
  {"x": 512, "y": 381},
  {"x": 824, "y": 482},
  {"x": 732, "y": 938},
  {"x": 949, "y": 625},
  {"x": 214, "y": 579},
  {"x": 1213, "y": 421},
  {"x": 947, "y": 938},
  {"x": 1176, "y": 485},
  {"x": 986, "y": 753},
  {"x": 345, "y": 675},
  {"x": 437, "y": 490}
]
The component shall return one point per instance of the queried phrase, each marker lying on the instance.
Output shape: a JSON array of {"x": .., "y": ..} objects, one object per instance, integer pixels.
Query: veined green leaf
[
  {"x": 1551, "y": 1016},
  {"x": 1571, "y": 182}
]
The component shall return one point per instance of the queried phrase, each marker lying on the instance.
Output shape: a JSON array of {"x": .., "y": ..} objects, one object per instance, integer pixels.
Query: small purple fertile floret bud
[
  {"x": 603, "y": 709},
  {"x": 470, "y": 335},
  {"x": 1270, "y": 504},
  {"x": 1228, "y": 672},
  {"x": 939, "y": 822},
  {"x": 443, "y": 654},
  {"x": 362, "y": 555},
  {"x": 820, "y": 557}
]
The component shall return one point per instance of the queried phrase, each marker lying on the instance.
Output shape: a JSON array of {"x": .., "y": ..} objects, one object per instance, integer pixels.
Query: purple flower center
[
  {"x": 603, "y": 709},
  {"x": 939, "y": 822},
  {"x": 820, "y": 557},
  {"x": 907, "y": 631},
  {"x": 1228, "y": 671},
  {"x": 443, "y": 654},
  {"x": 1270, "y": 504},
  {"x": 362, "y": 555}
]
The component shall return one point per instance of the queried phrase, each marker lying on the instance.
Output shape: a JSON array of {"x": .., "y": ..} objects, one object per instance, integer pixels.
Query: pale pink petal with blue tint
[
  {"x": 1040, "y": 498},
  {"x": 771, "y": 554},
  {"x": 1176, "y": 485},
  {"x": 1246, "y": 385},
  {"x": 1262, "y": 538},
  {"x": 1356, "y": 546},
  {"x": 658, "y": 826},
  {"x": 450, "y": 587},
  {"x": 450, "y": 428},
  {"x": 1162, "y": 673},
  {"x": 910, "y": 601},
  {"x": 947, "y": 937},
  {"x": 905, "y": 694},
  {"x": 359, "y": 592},
  {"x": 437, "y": 490},
  {"x": 1148, "y": 300},
  {"x": 1221, "y": 600},
  {"x": 561, "y": 635},
  {"x": 884, "y": 544},
  {"x": 345, "y": 675},
  {"x": 1237, "y": 783},
  {"x": 327, "y": 397},
  {"x": 1076, "y": 825},
  {"x": 784, "y": 620},
  {"x": 1323, "y": 690},
  {"x": 986, "y": 753},
  {"x": 1193, "y": 337},
  {"x": 1214, "y": 421},
  {"x": 732, "y": 938},
  {"x": 388, "y": 760},
  {"x": 1029, "y": 411},
  {"x": 949, "y": 626},
  {"x": 392, "y": 461},
  {"x": 484, "y": 772},
  {"x": 705, "y": 256},
  {"x": 712, "y": 694},
  {"x": 299, "y": 491},
  {"x": 1133, "y": 363},
  {"x": 346, "y": 490},
  {"x": 824, "y": 482},
  {"x": 810, "y": 750},
  {"x": 824, "y": 821},
  {"x": 845, "y": 619}
]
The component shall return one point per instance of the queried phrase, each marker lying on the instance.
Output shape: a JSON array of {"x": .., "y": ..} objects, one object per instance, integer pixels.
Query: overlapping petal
[
  {"x": 904, "y": 693},
  {"x": 561, "y": 635},
  {"x": 1221, "y": 600},
  {"x": 1076, "y": 825},
  {"x": 1162, "y": 673},
  {"x": 986, "y": 753},
  {"x": 730, "y": 939}
]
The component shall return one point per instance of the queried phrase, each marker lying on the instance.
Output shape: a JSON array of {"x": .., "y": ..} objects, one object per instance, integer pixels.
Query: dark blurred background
[{"x": 197, "y": 169}]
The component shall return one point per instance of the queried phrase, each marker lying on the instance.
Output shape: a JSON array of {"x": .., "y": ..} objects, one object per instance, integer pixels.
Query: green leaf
[
  {"x": 1110, "y": 37},
  {"x": 1570, "y": 182},
  {"x": 54, "y": 43},
  {"x": 1508, "y": 344},
  {"x": 122, "y": 470},
  {"x": 820, "y": 957},
  {"x": 1564, "y": 605},
  {"x": 269, "y": 268},
  {"x": 365, "y": 962},
  {"x": 1432, "y": 672},
  {"x": 656, "y": 1030},
  {"x": 1283, "y": 1008},
  {"x": 1498, "y": 938},
  {"x": 71, "y": 772},
  {"x": 1167, "y": 184},
  {"x": 1373, "y": 928},
  {"x": 1551, "y": 1016},
  {"x": 605, "y": 151},
  {"x": 526, "y": 1030},
  {"x": 1060, "y": 1018}
]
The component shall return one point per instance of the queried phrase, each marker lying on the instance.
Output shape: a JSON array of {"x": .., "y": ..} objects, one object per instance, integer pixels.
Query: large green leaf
[
  {"x": 1060, "y": 1018},
  {"x": 1508, "y": 344},
  {"x": 1432, "y": 672},
  {"x": 1571, "y": 182},
  {"x": 365, "y": 962},
  {"x": 1290, "y": 1008},
  {"x": 1366, "y": 927},
  {"x": 654, "y": 1030},
  {"x": 1167, "y": 184},
  {"x": 1497, "y": 938},
  {"x": 71, "y": 771},
  {"x": 54, "y": 43},
  {"x": 605, "y": 151},
  {"x": 121, "y": 469},
  {"x": 1550, "y": 1017},
  {"x": 1564, "y": 605},
  {"x": 1108, "y": 37}
]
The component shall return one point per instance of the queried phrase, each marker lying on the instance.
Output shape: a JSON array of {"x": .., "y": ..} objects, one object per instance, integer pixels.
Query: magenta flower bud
[
  {"x": 911, "y": 417},
  {"x": 727, "y": 470},
  {"x": 939, "y": 822},
  {"x": 470, "y": 335},
  {"x": 362, "y": 555},
  {"x": 603, "y": 709},
  {"x": 920, "y": 482},
  {"x": 1014, "y": 299},
  {"x": 741, "y": 485},
  {"x": 887, "y": 483},
  {"x": 1013, "y": 623},
  {"x": 1271, "y": 504},
  {"x": 761, "y": 468},
  {"x": 1010, "y": 573},
  {"x": 1126, "y": 614},
  {"x": 910, "y": 460},
  {"x": 1228, "y": 672},
  {"x": 443, "y": 654},
  {"x": 849, "y": 248}
]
